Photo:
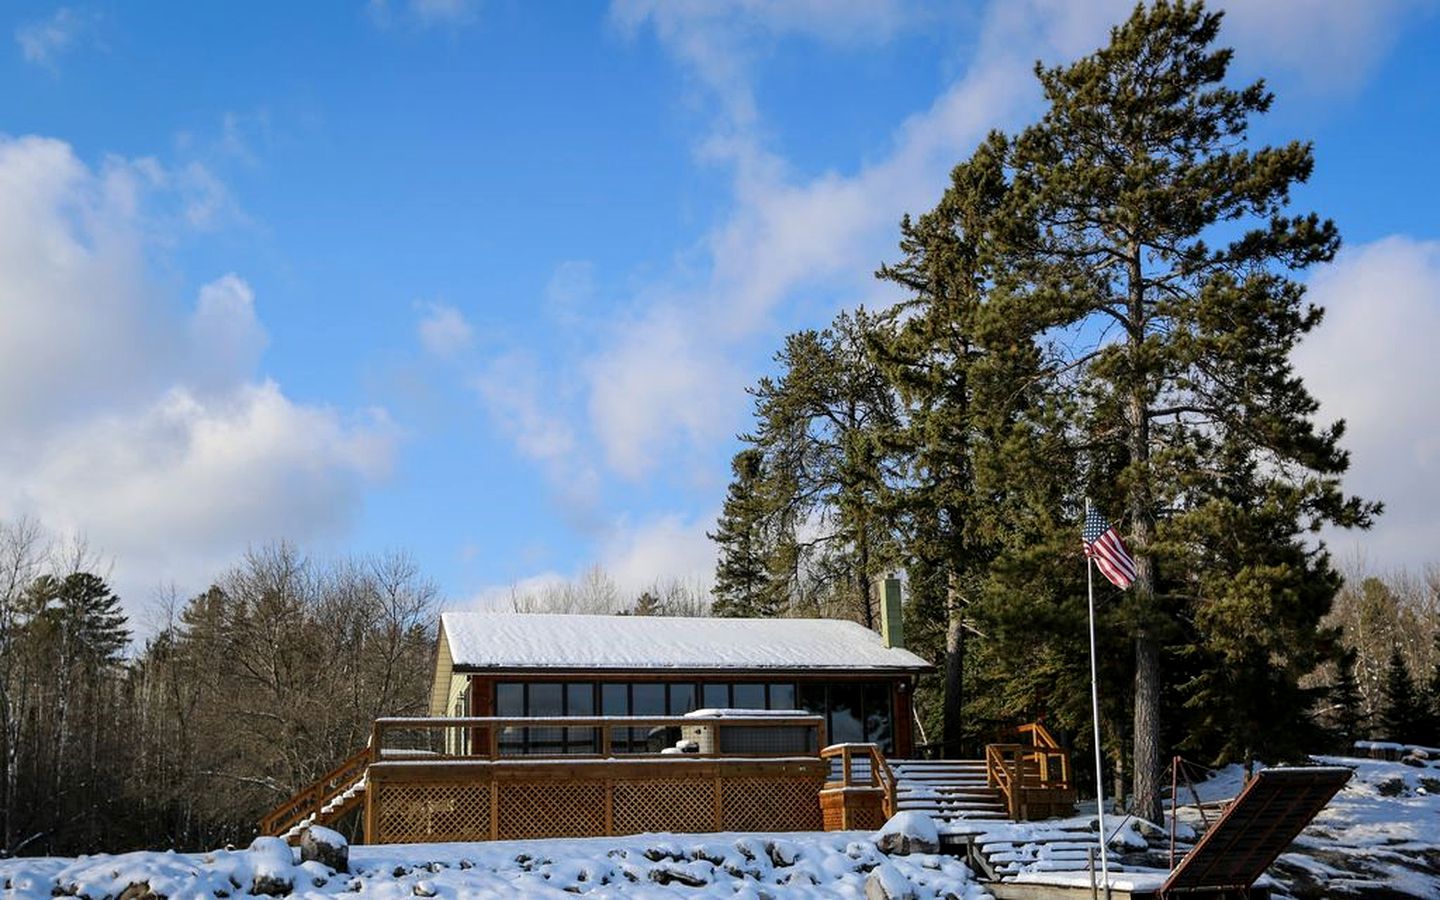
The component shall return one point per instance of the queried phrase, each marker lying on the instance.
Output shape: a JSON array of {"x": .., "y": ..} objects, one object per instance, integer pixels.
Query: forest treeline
[
  {"x": 1102, "y": 306},
  {"x": 244, "y": 693},
  {"x": 182, "y": 733}
]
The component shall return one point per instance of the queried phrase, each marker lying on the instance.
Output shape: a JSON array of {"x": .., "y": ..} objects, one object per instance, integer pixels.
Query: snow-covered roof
[{"x": 487, "y": 640}]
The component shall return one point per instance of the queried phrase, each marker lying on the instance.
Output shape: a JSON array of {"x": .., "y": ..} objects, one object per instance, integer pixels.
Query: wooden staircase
[
  {"x": 326, "y": 801},
  {"x": 947, "y": 790},
  {"x": 1001, "y": 855}
]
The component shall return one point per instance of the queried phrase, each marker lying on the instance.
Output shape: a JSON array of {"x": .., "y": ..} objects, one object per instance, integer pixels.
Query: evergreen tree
[
  {"x": 647, "y": 604},
  {"x": 741, "y": 575},
  {"x": 1401, "y": 716},
  {"x": 1347, "y": 713},
  {"x": 983, "y": 474},
  {"x": 821, "y": 426},
  {"x": 1431, "y": 701},
  {"x": 1136, "y": 225}
]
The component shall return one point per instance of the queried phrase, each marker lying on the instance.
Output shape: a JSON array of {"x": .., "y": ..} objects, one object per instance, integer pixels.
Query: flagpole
[{"x": 1095, "y": 713}]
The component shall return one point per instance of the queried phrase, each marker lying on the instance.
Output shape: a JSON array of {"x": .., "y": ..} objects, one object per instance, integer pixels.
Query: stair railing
[
  {"x": 311, "y": 800},
  {"x": 1007, "y": 769},
  {"x": 1052, "y": 761},
  {"x": 880, "y": 774}
]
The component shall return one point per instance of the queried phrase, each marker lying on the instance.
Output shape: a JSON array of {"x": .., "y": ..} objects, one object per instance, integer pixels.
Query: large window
[
  {"x": 549, "y": 699},
  {"x": 646, "y": 699},
  {"x": 853, "y": 710},
  {"x": 748, "y": 695}
]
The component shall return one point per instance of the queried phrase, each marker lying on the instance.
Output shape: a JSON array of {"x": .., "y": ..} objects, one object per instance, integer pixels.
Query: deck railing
[
  {"x": 878, "y": 774},
  {"x": 1018, "y": 770},
  {"x": 497, "y": 738}
]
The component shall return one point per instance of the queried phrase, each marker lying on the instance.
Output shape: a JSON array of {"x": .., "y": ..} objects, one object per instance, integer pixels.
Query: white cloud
[
  {"x": 718, "y": 41},
  {"x": 663, "y": 378},
  {"x": 1372, "y": 362},
  {"x": 660, "y": 386},
  {"x": 668, "y": 547},
  {"x": 1331, "y": 45},
  {"x": 44, "y": 40},
  {"x": 444, "y": 331},
  {"x": 530, "y": 410},
  {"x": 636, "y": 557},
  {"x": 225, "y": 337},
  {"x": 141, "y": 426},
  {"x": 511, "y": 390}
]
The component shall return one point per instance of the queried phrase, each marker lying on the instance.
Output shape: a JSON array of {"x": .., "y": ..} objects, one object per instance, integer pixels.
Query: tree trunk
[
  {"x": 1146, "y": 800},
  {"x": 1146, "y": 758},
  {"x": 954, "y": 672}
]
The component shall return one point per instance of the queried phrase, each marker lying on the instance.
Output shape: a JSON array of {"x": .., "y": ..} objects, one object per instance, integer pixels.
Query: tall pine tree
[{"x": 1154, "y": 248}]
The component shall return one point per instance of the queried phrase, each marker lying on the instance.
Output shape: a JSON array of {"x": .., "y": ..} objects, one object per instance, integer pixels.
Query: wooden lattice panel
[
  {"x": 772, "y": 804},
  {"x": 432, "y": 812},
  {"x": 551, "y": 809},
  {"x": 664, "y": 805}
]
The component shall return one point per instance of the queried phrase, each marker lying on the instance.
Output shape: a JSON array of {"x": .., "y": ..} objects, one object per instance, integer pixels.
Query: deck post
[{"x": 719, "y": 800}]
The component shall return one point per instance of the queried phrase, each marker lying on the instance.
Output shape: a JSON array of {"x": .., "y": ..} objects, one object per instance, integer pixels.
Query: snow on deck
[{"x": 537, "y": 640}]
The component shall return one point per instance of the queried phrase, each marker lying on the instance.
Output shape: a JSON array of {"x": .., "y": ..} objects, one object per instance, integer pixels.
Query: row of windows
[{"x": 853, "y": 711}]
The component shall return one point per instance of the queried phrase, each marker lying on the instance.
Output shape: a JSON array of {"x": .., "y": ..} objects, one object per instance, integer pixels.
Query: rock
[
  {"x": 140, "y": 890},
  {"x": 908, "y": 832},
  {"x": 325, "y": 846},
  {"x": 273, "y": 865},
  {"x": 781, "y": 853},
  {"x": 673, "y": 874},
  {"x": 271, "y": 884},
  {"x": 886, "y": 883},
  {"x": 424, "y": 889}
]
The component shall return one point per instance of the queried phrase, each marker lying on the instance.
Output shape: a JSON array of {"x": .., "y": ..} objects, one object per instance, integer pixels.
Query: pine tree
[
  {"x": 1402, "y": 711},
  {"x": 981, "y": 474},
  {"x": 1431, "y": 701},
  {"x": 821, "y": 425},
  {"x": 647, "y": 604},
  {"x": 1347, "y": 714},
  {"x": 1137, "y": 224},
  {"x": 741, "y": 575}
]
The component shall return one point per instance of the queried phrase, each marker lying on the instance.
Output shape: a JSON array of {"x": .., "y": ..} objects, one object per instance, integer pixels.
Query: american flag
[{"x": 1103, "y": 544}]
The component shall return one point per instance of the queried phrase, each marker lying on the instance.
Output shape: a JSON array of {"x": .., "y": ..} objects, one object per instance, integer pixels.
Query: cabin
[
  {"x": 535, "y": 665},
  {"x": 547, "y": 726}
]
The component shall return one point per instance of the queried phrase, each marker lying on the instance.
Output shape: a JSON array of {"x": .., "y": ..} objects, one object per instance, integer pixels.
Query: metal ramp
[{"x": 1256, "y": 828}]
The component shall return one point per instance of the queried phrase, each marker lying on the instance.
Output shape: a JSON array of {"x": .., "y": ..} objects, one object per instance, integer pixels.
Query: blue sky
[{"x": 486, "y": 280}]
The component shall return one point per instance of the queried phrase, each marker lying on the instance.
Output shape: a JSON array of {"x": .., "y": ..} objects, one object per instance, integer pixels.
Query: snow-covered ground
[
  {"x": 703, "y": 866},
  {"x": 1379, "y": 837}
]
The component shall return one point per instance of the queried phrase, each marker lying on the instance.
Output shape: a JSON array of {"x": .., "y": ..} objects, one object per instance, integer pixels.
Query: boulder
[
  {"x": 886, "y": 883},
  {"x": 271, "y": 884},
  {"x": 325, "y": 846},
  {"x": 908, "y": 832},
  {"x": 273, "y": 867}
]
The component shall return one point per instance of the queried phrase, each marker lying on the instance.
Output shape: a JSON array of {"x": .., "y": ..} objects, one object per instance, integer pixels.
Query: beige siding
[{"x": 443, "y": 686}]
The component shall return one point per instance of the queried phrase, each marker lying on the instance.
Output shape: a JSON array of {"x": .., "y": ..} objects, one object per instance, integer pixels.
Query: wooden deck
[
  {"x": 481, "y": 778},
  {"x": 466, "y": 779}
]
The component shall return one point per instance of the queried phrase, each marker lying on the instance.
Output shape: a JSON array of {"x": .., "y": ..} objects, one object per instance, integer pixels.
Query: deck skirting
[{"x": 413, "y": 801}]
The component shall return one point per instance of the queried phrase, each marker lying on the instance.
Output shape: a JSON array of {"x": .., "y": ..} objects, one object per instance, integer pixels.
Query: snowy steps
[
  {"x": 1002, "y": 856},
  {"x": 947, "y": 790},
  {"x": 333, "y": 809}
]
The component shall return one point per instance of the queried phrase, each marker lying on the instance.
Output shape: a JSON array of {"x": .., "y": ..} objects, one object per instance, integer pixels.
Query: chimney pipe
[{"x": 892, "y": 622}]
